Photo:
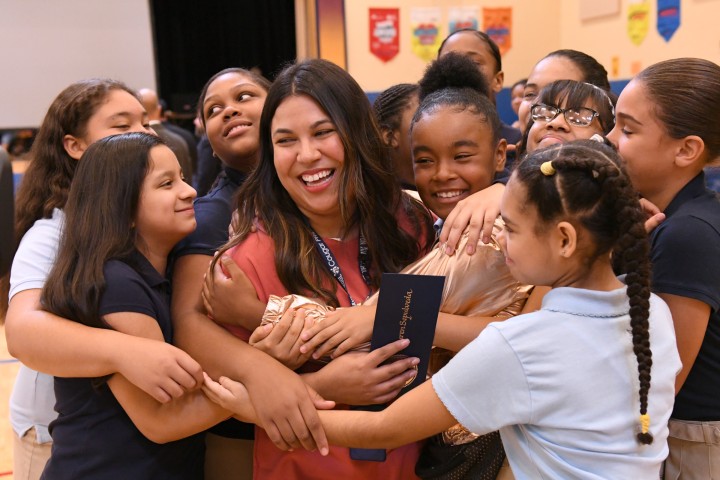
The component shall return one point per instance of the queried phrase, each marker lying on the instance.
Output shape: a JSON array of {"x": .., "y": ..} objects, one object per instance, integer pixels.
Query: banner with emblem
[
  {"x": 385, "y": 32},
  {"x": 462, "y": 17},
  {"x": 668, "y": 18},
  {"x": 638, "y": 21},
  {"x": 497, "y": 23},
  {"x": 425, "y": 26}
]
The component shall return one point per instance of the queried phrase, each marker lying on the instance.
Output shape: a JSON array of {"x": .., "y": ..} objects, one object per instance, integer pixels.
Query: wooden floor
[{"x": 8, "y": 370}]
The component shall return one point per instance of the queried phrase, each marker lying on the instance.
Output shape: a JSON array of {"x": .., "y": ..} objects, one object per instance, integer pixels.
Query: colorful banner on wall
[
  {"x": 462, "y": 17},
  {"x": 497, "y": 23},
  {"x": 385, "y": 32},
  {"x": 638, "y": 21},
  {"x": 668, "y": 18},
  {"x": 425, "y": 25}
]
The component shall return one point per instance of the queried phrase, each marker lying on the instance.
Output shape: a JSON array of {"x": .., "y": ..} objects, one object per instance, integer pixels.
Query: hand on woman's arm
[
  {"x": 478, "y": 212},
  {"x": 416, "y": 415},
  {"x": 60, "y": 347},
  {"x": 282, "y": 340},
  {"x": 290, "y": 420},
  {"x": 159, "y": 422},
  {"x": 229, "y": 297},
  {"x": 342, "y": 330},
  {"x": 360, "y": 378}
]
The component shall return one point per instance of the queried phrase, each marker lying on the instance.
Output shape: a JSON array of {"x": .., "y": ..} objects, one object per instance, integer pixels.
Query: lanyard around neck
[{"x": 334, "y": 267}]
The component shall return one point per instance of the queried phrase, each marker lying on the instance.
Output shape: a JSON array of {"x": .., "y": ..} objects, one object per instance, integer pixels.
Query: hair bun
[{"x": 453, "y": 71}]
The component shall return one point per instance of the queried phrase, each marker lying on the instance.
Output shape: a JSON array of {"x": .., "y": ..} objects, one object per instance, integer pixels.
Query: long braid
[{"x": 593, "y": 188}]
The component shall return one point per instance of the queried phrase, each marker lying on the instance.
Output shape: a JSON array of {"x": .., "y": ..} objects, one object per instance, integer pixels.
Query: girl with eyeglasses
[
  {"x": 568, "y": 110},
  {"x": 667, "y": 130}
]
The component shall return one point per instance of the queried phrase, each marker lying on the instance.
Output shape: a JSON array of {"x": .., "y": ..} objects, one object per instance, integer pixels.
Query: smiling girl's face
[{"x": 231, "y": 110}]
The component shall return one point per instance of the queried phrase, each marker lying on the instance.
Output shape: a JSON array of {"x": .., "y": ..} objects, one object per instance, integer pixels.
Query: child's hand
[
  {"x": 286, "y": 407},
  {"x": 230, "y": 395},
  {"x": 655, "y": 216},
  {"x": 342, "y": 330},
  {"x": 478, "y": 212},
  {"x": 230, "y": 297},
  {"x": 359, "y": 378},
  {"x": 159, "y": 369},
  {"x": 282, "y": 340}
]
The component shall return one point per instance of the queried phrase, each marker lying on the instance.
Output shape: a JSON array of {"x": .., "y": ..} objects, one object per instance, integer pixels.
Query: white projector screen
[{"x": 47, "y": 44}]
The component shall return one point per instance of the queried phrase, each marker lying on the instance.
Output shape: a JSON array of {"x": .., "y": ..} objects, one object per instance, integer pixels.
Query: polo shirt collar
[
  {"x": 693, "y": 189},
  {"x": 235, "y": 176},
  {"x": 143, "y": 266},
  {"x": 587, "y": 303}
]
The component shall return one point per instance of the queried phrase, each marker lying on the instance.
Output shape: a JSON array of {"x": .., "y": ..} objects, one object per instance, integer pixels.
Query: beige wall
[{"x": 603, "y": 38}]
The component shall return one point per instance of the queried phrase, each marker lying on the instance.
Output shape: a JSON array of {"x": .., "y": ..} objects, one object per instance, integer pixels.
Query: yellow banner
[{"x": 638, "y": 21}]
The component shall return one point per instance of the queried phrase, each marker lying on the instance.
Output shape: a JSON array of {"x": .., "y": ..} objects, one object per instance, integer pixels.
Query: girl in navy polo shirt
[
  {"x": 128, "y": 206},
  {"x": 667, "y": 130}
]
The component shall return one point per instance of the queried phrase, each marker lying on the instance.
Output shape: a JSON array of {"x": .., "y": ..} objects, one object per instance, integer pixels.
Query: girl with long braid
[
  {"x": 569, "y": 386},
  {"x": 667, "y": 131}
]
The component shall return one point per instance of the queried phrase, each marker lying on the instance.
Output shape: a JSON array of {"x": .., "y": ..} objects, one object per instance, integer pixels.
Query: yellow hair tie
[
  {"x": 547, "y": 169},
  {"x": 644, "y": 423}
]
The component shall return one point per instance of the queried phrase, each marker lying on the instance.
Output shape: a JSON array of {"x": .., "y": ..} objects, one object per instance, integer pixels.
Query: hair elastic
[
  {"x": 547, "y": 169},
  {"x": 644, "y": 423}
]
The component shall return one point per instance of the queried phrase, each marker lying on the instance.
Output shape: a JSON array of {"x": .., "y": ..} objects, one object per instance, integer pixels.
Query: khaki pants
[
  {"x": 694, "y": 451},
  {"x": 29, "y": 457},
  {"x": 227, "y": 458}
]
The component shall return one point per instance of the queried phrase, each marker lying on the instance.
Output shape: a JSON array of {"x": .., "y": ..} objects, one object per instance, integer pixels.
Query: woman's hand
[
  {"x": 360, "y": 378},
  {"x": 342, "y": 330},
  {"x": 477, "y": 213},
  {"x": 282, "y": 340},
  {"x": 230, "y": 297}
]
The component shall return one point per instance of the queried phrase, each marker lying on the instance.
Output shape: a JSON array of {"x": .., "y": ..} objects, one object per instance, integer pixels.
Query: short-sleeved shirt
[
  {"x": 561, "y": 385},
  {"x": 32, "y": 400},
  {"x": 93, "y": 437},
  {"x": 213, "y": 214},
  {"x": 685, "y": 254}
]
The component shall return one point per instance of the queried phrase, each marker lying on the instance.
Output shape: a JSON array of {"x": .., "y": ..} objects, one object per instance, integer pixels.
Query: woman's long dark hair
[
  {"x": 99, "y": 215},
  {"x": 589, "y": 187},
  {"x": 369, "y": 195}
]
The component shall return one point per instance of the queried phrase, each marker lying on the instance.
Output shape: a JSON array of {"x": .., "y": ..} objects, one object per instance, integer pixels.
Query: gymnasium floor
[{"x": 8, "y": 370}]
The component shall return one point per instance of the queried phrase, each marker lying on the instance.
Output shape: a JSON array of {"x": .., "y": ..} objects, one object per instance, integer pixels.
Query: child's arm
[
  {"x": 414, "y": 416},
  {"x": 479, "y": 212},
  {"x": 57, "y": 346},
  {"x": 229, "y": 297},
  {"x": 690, "y": 318},
  {"x": 160, "y": 423},
  {"x": 291, "y": 418},
  {"x": 282, "y": 340}
]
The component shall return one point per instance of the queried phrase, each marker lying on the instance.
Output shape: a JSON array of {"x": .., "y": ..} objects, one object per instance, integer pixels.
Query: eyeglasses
[{"x": 578, "y": 116}]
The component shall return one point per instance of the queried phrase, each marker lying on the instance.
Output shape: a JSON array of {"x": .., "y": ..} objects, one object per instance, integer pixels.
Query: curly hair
[{"x": 590, "y": 188}]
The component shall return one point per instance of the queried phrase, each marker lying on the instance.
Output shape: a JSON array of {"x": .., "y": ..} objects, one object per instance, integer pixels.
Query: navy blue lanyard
[{"x": 333, "y": 266}]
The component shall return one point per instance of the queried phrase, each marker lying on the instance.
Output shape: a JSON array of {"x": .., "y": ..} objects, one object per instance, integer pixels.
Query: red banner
[{"x": 385, "y": 32}]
